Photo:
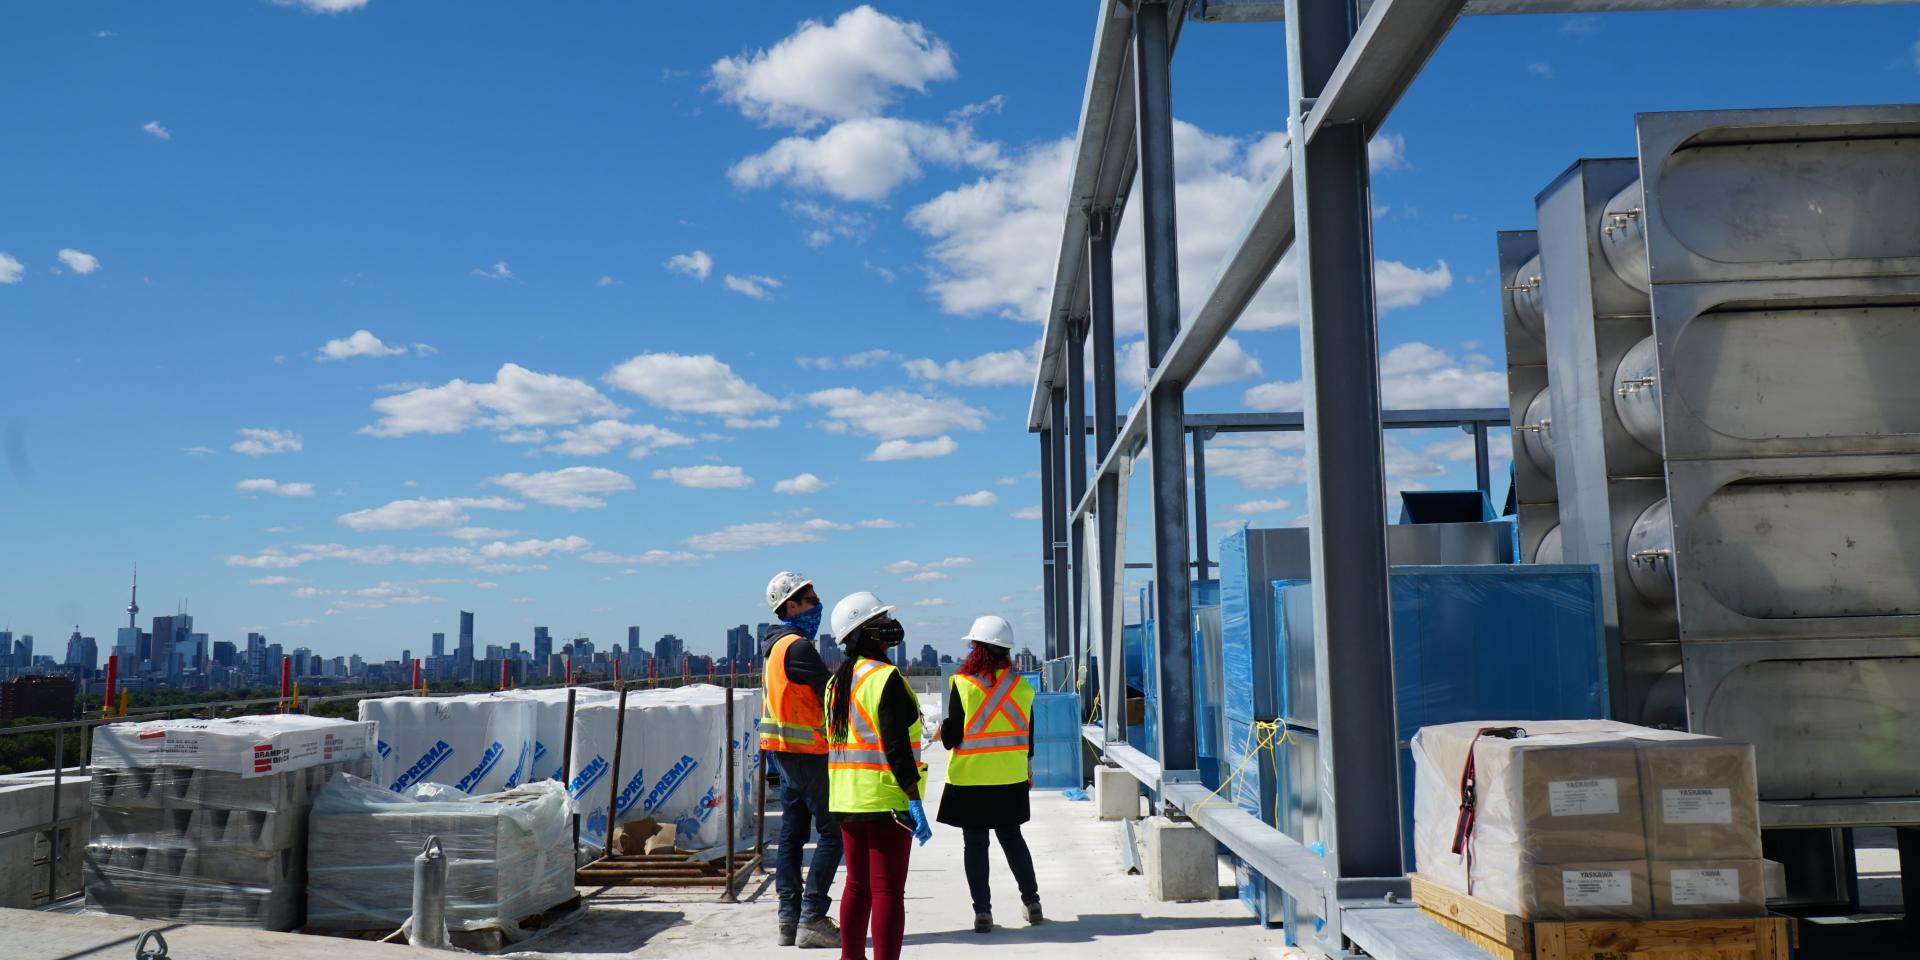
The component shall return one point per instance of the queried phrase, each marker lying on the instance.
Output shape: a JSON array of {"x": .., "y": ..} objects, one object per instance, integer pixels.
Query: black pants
[{"x": 1019, "y": 859}]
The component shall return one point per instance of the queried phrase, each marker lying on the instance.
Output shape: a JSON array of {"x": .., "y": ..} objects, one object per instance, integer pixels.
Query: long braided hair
[{"x": 840, "y": 687}]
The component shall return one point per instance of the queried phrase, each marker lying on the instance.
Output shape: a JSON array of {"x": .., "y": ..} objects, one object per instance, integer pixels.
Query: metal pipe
[
  {"x": 1047, "y": 506},
  {"x": 1153, "y": 115},
  {"x": 1077, "y": 477},
  {"x": 1106, "y": 487},
  {"x": 1057, "y": 527},
  {"x": 613, "y": 775}
]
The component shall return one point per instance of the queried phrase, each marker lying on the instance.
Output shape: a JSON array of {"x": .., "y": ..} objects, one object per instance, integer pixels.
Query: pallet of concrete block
[
  {"x": 1589, "y": 819},
  {"x": 475, "y": 743},
  {"x": 205, "y": 821},
  {"x": 673, "y": 763},
  {"x": 508, "y": 855}
]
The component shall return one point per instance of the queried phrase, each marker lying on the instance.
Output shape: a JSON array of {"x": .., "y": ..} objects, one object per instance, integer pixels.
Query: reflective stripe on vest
[
  {"x": 994, "y": 744},
  {"x": 859, "y": 780},
  {"x": 791, "y": 720}
]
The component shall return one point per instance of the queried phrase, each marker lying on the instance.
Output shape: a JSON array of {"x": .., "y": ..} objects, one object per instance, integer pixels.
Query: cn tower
[{"x": 133, "y": 602}]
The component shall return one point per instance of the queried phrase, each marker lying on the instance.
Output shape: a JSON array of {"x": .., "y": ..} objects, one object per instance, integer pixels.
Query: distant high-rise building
[
  {"x": 275, "y": 654},
  {"x": 6, "y": 650},
  {"x": 256, "y": 656},
  {"x": 668, "y": 650},
  {"x": 633, "y": 641},
  {"x": 126, "y": 646},
  {"x": 23, "y": 652},
  {"x": 198, "y": 651},
  {"x": 464, "y": 652},
  {"x": 406, "y": 658},
  {"x": 304, "y": 664},
  {"x": 171, "y": 636},
  {"x": 439, "y": 645},
  {"x": 356, "y": 667},
  {"x": 582, "y": 649},
  {"x": 82, "y": 652},
  {"x": 48, "y": 697},
  {"x": 739, "y": 649},
  {"x": 542, "y": 645},
  {"x": 929, "y": 657},
  {"x": 225, "y": 654}
]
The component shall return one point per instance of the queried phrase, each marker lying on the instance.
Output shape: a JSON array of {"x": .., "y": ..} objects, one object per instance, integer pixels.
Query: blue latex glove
[{"x": 922, "y": 831}]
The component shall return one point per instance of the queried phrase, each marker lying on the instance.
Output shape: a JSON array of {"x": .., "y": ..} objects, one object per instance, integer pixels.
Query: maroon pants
[{"x": 876, "y": 888}]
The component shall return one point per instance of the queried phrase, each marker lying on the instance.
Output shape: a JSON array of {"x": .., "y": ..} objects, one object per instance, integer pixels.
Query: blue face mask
[{"x": 807, "y": 623}]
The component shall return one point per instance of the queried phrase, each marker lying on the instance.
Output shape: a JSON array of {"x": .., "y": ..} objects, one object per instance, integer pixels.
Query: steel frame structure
[{"x": 1348, "y": 64}]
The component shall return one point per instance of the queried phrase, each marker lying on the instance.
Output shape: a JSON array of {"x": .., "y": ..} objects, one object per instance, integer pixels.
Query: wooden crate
[{"x": 1507, "y": 937}]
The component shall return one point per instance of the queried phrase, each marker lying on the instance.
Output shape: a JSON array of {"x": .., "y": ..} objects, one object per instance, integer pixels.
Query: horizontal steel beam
[
  {"x": 1864, "y": 812},
  {"x": 1271, "y": 11},
  {"x": 1274, "y": 855},
  {"x": 1129, "y": 758},
  {"x": 1403, "y": 932}
]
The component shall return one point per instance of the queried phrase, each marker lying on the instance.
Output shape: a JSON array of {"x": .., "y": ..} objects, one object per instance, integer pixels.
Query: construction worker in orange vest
[{"x": 793, "y": 736}]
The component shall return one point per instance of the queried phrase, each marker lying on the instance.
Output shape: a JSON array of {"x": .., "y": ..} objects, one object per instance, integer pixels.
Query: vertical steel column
[
  {"x": 1200, "y": 561},
  {"x": 1057, "y": 529},
  {"x": 1482, "y": 466},
  {"x": 1166, "y": 406},
  {"x": 1346, "y": 492},
  {"x": 1076, "y": 431},
  {"x": 1048, "y": 504},
  {"x": 1106, "y": 504}
]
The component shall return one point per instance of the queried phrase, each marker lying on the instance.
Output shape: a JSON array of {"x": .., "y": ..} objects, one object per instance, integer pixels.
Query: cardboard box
[
  {"x": 1601, "y": 890},
  {"x": 1700, "y": 796},
  {"x": 1691, "y": 889}
]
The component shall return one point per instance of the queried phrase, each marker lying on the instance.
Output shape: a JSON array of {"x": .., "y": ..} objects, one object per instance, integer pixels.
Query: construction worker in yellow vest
[
  {"x": 793, "y": 735},
  {"x": 989, "y": 732},
  {"x": 876, "y": 776}
]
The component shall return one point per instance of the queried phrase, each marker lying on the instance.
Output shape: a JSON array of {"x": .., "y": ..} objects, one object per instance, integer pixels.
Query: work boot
[
  {"x": 786, "y": 934},
  {"x": 819, "y": 933},
  {"x": 983, "y": 922},
  {"x": 1033, "y": 914}
]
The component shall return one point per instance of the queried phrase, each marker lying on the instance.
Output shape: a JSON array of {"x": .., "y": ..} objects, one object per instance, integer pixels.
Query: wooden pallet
[
  {"x": 676, "y": 869},
  {"x": 1508, "y": 937}
]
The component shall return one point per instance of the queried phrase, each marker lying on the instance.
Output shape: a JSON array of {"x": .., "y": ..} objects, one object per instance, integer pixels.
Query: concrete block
[
  {"x": 1116, "y": 794},
  {"x": 1180, "y": 861}
]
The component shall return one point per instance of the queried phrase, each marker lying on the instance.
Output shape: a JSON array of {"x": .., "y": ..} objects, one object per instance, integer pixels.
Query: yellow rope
[{"x": 1263, "y": 736}]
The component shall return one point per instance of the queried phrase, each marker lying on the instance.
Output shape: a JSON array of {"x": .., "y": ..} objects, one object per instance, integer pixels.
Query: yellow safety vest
[
  {"x": 791, "y": 720},
  {"x": 993, "y": 747},
  {"x": 858, "y": 777}
]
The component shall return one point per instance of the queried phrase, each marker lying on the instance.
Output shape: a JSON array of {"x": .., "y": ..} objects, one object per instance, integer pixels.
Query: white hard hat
[
  {"x": 782, "y": 588},
  {"x": 993, "y": 631},
  {"x": 853, "y": 613}
]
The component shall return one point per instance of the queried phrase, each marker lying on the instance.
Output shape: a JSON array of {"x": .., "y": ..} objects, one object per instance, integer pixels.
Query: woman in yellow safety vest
[
  {"x": 989, "y": 732},
  {"x": 874, "y": 776}
]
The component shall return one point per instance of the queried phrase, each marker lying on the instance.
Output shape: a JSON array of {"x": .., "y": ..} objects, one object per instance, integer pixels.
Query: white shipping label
[
  {"x": 1698, "y": 887},
  {"x": 1582, "y": 798},
  {"x": 1596, "y": 888},
  {"x": 1697, "y": 805}
]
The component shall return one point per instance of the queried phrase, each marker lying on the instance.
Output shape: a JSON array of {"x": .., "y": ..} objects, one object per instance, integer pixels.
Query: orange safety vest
[{"x": 791, "y": 720}]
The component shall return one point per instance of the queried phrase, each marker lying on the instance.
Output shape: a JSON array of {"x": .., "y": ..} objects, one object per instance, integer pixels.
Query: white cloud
[
  {"x": 1916, "y": 55},
  {"x": 690, "y": 384},
  {"x": 986, "y": 370},
  {"x": 323, "y": 6},
  {"x": 775, "y": 533},
  {"x": 1250, "y": 507},
  {"x": 153, "y": 128},
  {"x": 913, "y": 450},
  {"x": 574, "y": 487},
  {"x": 523, "y": 436},
  {"x": 362, "y": 343},
  {"x": 995, "y": 241},
  {"x": 1542, "y": 70},
  {"x": 706, "y": 477},
  {"x": 606, "y": 281},
  {"x": 982, "y": 498},
  {"x": 81, "y": 263},
  {"x": 1027, "y": 513},
  {"x": 803, "y": 483},
  {"x": 264, "y": 485},
  {"x": 850, "y": 68},
  {"x": 652, "y": 558},
  {"x": 933, "y": 602},
  {"x": 1258, "y": 461},
  {"x": 1412, "y": 376},
  {"x": 600, "y": 436},
  {"x": 752, "y": 423},
  {"x": 277, "y": 580},
  {"x": 880, "y": 523},
  {"x": 909, "y": 566},
  {"x": 830, "y": 223},
  {"x": 1387, "y": 151},
  {"x": 865, "y": 358},
  {"x": 757, "y": 287},
  {"x": 423, "y": 512},
  {"x": 517, "y": 397},
  {"x": 197, "y": 451},
  {"x": 258, "y": 442},
  {"x": 930, "y": 576},
  {"x": 498, "y": 271},
  {"x": 474, "y": 534},
  {"x": 1007, "y": 482},
  {"x": 696, "y": 264},
  {"x": 893, "y": 414},
  {"x": 1230, "y": 363},
  {"x": 865, "y": 159},
  {"x": 485, "y": 557},
  {"x": 11, "y": 270}
]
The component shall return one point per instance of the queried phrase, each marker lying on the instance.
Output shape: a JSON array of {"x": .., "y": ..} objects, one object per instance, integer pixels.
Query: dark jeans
[
  {"x": 877, "y": 855},
  {"x": 803, "y": 804},
  {"x": 1019, "y": 859}
]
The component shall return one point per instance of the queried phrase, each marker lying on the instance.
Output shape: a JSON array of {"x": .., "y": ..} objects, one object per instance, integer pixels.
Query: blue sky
[{"x": 599, "y": 251}]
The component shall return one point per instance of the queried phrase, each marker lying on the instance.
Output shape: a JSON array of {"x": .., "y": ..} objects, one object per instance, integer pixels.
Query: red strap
[{"x": 1463, "y": 824}]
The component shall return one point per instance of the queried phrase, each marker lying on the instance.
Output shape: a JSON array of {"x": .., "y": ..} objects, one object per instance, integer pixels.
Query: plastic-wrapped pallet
[
  {"x": 550, "y": 726},
  {"x": 672, "y": 763},
  {"x": 205, "y": 821},
  {"x": 477, "y": 743},
  {"x": 507, "y": 854}
]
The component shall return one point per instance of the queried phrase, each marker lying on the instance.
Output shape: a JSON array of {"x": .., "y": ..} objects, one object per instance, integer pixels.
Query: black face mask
[{"x": 885, "y": 632}]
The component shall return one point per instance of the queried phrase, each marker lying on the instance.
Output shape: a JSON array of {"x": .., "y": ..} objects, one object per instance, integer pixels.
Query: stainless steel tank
[
  {"x": 1623, "y": 236},
  {"x": 1536, "y": 434},
  {"x": 1650, "y": 553},
  {"x": 1525, "y": 291},
  {"x": 1636, "y": 394},
  {"x": 1549, "y": 549}
]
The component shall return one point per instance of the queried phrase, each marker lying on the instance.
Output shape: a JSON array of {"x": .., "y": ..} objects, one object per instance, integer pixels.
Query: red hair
[{"x": 984, "y": 659}]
